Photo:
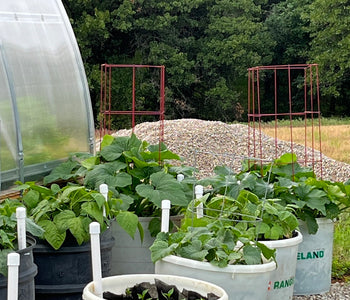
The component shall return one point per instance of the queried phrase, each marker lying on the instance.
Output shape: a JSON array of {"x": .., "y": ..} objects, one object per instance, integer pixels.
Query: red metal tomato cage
[
  {"x": 288, "y": 93},
  {"x": 108, "y": 98}
]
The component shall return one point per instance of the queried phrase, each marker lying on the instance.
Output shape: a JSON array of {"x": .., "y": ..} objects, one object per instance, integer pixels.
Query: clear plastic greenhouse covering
[{"x": 45, "y": 107}]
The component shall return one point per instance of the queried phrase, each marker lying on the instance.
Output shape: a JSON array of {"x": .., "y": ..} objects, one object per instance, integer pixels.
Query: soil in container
[{"x": 158, "y": 290}]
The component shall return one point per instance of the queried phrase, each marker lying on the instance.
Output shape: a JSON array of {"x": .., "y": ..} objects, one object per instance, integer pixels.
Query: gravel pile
[{"x": 206, "y": 144}]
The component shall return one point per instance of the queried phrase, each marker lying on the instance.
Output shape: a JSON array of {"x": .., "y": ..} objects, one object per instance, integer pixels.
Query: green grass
[
  {"x": 335, "y": 144},
  {"x": 341, "y": 248}
]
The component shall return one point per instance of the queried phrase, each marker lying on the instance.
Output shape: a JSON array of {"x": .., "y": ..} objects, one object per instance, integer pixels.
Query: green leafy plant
[
  {"x": 136, "y": 173},
  {"x": 215, "y": 243},
  {"x": 168, "y": 294},
  {"x": 71, "y": 209},
  {"x": 262, "y": 219},
  {"x": 311, "y": 197},
  {"x": 295, "y": 187},
  {"x": 144, "y": 295},
  {"x": 8, "y": 230}
]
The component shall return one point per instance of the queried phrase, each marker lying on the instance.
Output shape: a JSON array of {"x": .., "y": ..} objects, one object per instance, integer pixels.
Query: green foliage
[
  {"x": 72, "y": 209},
  {"x": 341, "y": 248},
  {"x": 206, "y": 47},
  {"x": 138, "y": 174},
  {"x": 8, "y": 230},
  {"x": 218, "y": 242},
  {"x": 293, "y": 186},
  {"x": 328, "y": 27}
]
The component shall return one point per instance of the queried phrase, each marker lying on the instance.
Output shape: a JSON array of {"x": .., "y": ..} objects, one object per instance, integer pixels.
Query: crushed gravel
[{"x": 206, "y": 144}]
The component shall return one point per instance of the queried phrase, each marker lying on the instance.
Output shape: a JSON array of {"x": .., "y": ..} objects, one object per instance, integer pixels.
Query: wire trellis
[{"x": 219, "y": 214}]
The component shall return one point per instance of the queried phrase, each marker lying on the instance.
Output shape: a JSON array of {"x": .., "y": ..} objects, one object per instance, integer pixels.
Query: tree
[
  {"x": 205, "y": 45},
  {"x": 330, "y": 33}
]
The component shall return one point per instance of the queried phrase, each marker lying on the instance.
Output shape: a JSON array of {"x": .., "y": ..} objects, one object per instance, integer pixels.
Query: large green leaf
[
  {"x": 77, "y": 229},
  {"x": 140, "y": 163},
  {"x": 3, "y": 260},
  {"x": 107, "y": 140},
  {"x": 52, "y": 234},
  {"x": 34, "y": 228},
  {"x": 160, "y": 249},
  {"x": 193, "y": 251},
  {"x": 252, "y": 254},
  {"x": 92, "y": 210},
  {"x": 99, "y": 199},
  {"x": 112, "y": 152},
  {"x": 62, "y": 220},
  {"x": 63, "y": 171},
  {"x": 5, "y": 239},
  {"x": 163, "y": 186},
  {"x": 317, "y": 199},
  {"x": 128, "y": 221},
  {"x": 108, "y": 174},
  {"x": 31, "y": 199}
]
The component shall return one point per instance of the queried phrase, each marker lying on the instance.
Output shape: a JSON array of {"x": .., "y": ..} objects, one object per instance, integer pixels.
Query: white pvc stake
[
  {"x": 21, "y": 227},
  {"x": 199, "y": 194},
  {"x": 165, "y": 215},
  {"x": 104, "y": 192},
  {"x": 12, "y": 280},
  {"x": 180, "y": 177},
  {"x": 96, "y": 257}
]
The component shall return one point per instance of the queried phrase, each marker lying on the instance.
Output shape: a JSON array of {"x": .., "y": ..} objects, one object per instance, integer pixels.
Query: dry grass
[{"x": 335, "y": 139}]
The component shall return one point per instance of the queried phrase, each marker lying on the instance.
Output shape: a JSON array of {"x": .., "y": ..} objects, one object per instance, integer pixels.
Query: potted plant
[
  {"x": 249, "y": 194},
  {"x": 8, "y": 244},
  {"x": 216, "y": 246},
  {"x": 63, "y": 255},
  {"x": 317, "y": 204},
  {"x": 140, "y": 176}
]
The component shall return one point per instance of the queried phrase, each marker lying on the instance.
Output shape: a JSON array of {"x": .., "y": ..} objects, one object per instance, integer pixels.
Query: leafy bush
[
  {"x": 8, "y": 230},
  {"x": 136, "y": 172},
  {"x": 71, "y": 209}
]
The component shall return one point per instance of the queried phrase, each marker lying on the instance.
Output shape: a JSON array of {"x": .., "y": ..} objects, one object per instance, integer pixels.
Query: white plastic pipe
[
  {"x": 166, "y": 204},
  {"x": 180, "y": 177},
  {"x": 21, "y": 227},
  {"x": 199, "y": 194},
  {"x": 12, "y": 280},
  {"x": 96, "y": 258},
  {"x": 104, "y": 192}
]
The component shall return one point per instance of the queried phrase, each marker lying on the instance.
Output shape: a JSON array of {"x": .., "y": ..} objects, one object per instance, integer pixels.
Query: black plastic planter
[
  {"x": 27, "y": 272},
  {"x": 63, "y": 273}
]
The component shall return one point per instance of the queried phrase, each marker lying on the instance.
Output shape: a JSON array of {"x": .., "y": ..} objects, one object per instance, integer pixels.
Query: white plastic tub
[
  {"x": 243, "y": 282},
  {"x": 282, "y": 281},
  {"x": 118, "y": 284},
  {"x": 314, "y": 265},
  {"x": 131, "y": 256}
]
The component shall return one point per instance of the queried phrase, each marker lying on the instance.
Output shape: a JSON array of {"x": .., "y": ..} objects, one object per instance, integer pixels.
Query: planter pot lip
[
  {"x": 285, "y": 242},
  {"x": 203, "y": 265},
  {"x": 170, "y": 279},
  {"x": 31, "y": 243},
  {"x": 320, "y": 220},
  {"x": 148, "y": 219}
]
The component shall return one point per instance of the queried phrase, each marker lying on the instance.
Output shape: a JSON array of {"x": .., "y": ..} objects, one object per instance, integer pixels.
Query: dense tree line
[{"x": 207, "y": 46}]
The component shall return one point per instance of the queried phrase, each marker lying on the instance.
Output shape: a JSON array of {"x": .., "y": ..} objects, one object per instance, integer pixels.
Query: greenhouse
[{"x": 45, "y": 111}]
